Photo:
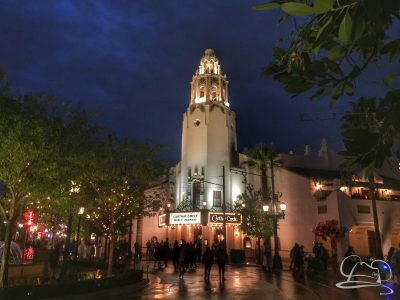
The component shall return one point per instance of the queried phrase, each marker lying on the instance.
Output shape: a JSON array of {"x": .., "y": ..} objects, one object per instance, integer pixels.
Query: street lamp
[
  {"x": 200, "y": 178},
  {"x": 205, "y": 204},
  {"x": 278, "y": 211},
  {"x": 81, "y": 211}
]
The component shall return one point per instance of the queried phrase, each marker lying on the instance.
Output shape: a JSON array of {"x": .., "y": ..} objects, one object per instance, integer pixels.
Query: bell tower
[
  {"x": 208, "y": 85},
  {"x": 208, "y": 139}
]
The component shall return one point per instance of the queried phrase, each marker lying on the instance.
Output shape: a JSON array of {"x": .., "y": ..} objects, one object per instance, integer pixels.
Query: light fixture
[
  {"x": 243, "y": 205},
  {"x": 283, "y": 206},
  {"x": 342, "y": 188},
  {"x": 204, "y": 203},
  {"x": 318, "y": 186},
  {"x": 265, "y": 207},
  {"x": 81, "y": 210},
  {"x": 169, "y": 205}
]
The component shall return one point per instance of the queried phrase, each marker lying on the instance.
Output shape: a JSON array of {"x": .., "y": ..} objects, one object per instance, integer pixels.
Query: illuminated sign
[
  {"x": 229, "y": 218},
  {"x": 162, "y": 220},
  {"x": 185, "y": 218},
  {"x": 29, "y": 218}
]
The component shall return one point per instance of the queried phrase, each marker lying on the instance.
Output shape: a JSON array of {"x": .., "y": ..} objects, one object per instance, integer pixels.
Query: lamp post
[
  {"x": 81, "y": 211},
  {"x": 200, "y": 178},
  {"x": 276, "y": 213},
  {"x": 167, "y": 217}
]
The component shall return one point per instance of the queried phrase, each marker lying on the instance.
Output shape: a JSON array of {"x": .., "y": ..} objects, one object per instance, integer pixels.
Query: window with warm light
[{"x": 217, "y": 198}]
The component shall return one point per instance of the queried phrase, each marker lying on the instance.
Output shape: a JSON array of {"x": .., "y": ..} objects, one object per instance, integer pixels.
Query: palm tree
[
  {"x": 262, "y": 157},
  {"x": 259, "y": 158}
]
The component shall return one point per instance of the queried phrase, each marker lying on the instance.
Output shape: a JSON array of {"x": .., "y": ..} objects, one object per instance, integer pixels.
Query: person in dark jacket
[
  {"x": 390, "y": 254},
  {"x": 208, "y": 261},
  {"x": 165, "y": 252},
  {"x": 292, "y": 253},
  {"x": 175, "y": 255},
  {"x": 222, "y": 258},
  {"x": 181, "y": 260}
]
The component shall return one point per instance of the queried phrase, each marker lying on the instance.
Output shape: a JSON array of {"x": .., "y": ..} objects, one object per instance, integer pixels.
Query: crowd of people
[
  {"x": 186, "y": 256},
  {"x": 316, "y": 262}
]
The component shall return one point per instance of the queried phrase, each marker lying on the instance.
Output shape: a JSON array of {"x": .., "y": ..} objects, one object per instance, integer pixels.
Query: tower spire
[{"x": 208, "y": 85}]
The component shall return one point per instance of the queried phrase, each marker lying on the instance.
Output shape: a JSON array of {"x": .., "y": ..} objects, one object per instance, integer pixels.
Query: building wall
[
  {"x": 388, "y": 217},
  {"x": 208, "y": 145},
  {"x": 300, "y": 215}
]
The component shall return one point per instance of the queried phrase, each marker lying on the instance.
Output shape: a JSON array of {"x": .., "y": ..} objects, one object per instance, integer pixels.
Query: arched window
[
  {"x": 202, "y": 91},
  {"x": 214, "y": 93}
]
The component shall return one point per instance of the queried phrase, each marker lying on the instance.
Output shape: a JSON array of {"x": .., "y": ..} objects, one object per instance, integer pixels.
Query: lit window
[{"x": 217, "y": 198}]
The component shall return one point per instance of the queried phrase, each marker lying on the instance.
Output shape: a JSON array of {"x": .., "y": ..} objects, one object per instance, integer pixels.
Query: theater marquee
[
  {"x": 185, "y": 218},
  {"x": 218, "y": 218}
]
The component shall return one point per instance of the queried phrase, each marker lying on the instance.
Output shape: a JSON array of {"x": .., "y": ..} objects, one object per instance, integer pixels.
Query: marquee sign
[
  {"x": 185, "y": 218},
  {"x": 162, "y": 220},
  {"x": 229, "y": 218}
]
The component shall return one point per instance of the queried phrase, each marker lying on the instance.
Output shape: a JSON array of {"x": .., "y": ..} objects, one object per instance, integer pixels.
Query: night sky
[{"x": 134, "y": 60}]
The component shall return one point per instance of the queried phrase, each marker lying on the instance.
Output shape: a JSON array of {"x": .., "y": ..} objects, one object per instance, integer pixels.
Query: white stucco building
[{"x": 312, "y": 185}]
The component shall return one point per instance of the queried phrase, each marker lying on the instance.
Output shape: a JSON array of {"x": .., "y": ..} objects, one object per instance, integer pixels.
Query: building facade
[{"x": 323, "y": 203}]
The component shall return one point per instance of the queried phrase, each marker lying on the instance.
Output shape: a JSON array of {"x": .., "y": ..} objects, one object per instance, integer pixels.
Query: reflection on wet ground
[{"x": 247, "y": 282}]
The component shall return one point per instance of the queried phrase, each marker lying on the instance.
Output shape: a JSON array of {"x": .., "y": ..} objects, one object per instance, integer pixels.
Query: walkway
[{"x": 248, "y": 282}]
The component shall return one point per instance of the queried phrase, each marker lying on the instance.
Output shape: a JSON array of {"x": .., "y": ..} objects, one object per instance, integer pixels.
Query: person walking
[
  {"x": 156, "y": 254},
  {"x": 267, "y": 256},
  {"x": 165, "y": 252},
  {"x": 292, "y": 255},
  {"x": 208, "y": 261},
  {"x": 138, "y": 254},
  {"x": 324, "y": 256},
  {"x": 175, "y": 255},
  {"x": 181, "y": 261},
  {"x": 222, "y": 258},
  {"x": 299, "y": 259},
  {"x": 148, "y": 249},
  {"x": 390, "y": 254},
  {"x": 395, "y": 264},
  {"x": 199, "y": 249}
]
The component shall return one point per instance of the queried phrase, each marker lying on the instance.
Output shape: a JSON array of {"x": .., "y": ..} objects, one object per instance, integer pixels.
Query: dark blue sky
[{"x": 134, "y": 60}]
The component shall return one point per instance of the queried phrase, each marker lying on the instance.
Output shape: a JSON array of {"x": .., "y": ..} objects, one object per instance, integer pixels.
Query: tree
[
  {"x": 262, "y": 157},
  {"x": 75, "y": 138},
  {"x": 259, "y": 158},
  {"x": 39, "y": 157},
  {"x": 255, "y": 223},
  {"x": 25, "y": 154},
  {"x": 332, "y": 48},
  {"x": 328, "y": 53},
  {"x": 116, "y": 176},
  {"x": 360, "y": 131}
]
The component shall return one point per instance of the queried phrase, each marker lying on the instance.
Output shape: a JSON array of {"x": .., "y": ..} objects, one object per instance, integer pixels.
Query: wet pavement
[{"x": 249, "y": 282}]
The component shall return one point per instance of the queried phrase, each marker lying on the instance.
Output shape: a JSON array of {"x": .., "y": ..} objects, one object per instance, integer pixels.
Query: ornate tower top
[{"x": 208, "y": 85}]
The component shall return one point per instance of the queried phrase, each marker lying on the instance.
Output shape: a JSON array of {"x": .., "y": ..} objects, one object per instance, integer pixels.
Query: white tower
[{"x": 208, "y": 138}]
